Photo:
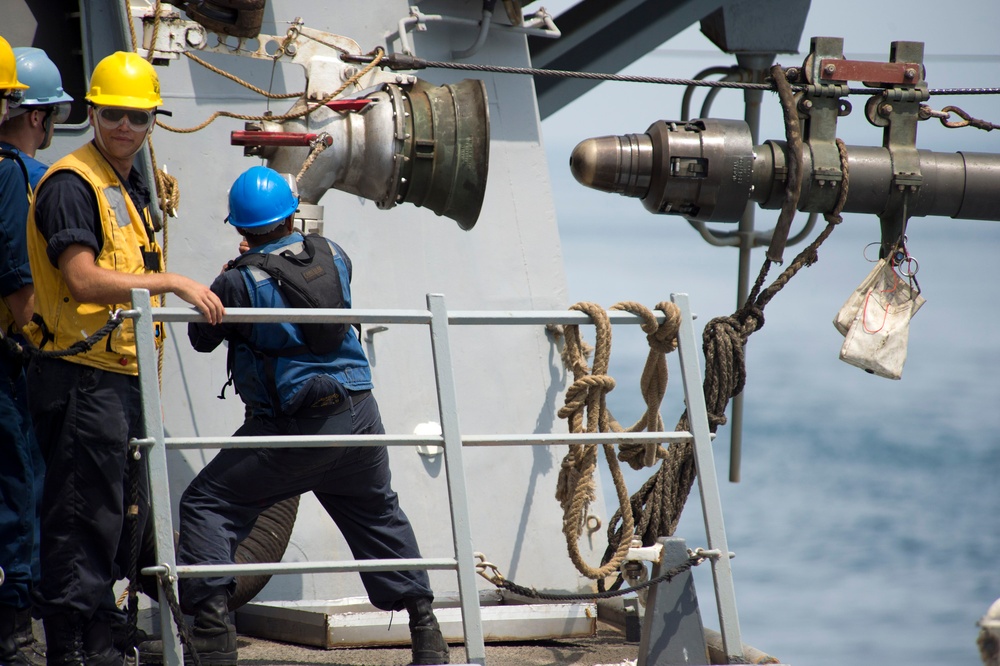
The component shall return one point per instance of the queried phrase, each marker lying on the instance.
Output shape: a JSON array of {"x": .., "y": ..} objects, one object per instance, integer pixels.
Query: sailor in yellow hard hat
[
  {"x": 90, "y": 242},
  {"x": 27, "y": 129}
]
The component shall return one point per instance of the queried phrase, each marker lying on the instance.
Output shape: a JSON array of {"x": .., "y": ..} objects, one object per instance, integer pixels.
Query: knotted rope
[{"x": 587, "y": 397}]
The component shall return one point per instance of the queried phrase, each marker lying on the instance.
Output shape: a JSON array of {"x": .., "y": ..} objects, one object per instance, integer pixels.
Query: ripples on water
[{"x": 867, "y": 521}]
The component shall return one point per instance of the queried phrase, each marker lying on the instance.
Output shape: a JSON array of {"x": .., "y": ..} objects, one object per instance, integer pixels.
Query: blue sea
[{"x": 866, "y": 523}]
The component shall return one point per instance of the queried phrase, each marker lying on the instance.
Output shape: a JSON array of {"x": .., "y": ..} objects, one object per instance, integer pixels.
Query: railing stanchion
[
  {"x": 708, "y": 482},
  {"x": 156, "y": 455},
  {"x": 458, "y": 498}
]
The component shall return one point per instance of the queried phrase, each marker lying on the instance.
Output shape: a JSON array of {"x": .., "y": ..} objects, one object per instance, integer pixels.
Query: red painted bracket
[{"x": 871, "y": 73}]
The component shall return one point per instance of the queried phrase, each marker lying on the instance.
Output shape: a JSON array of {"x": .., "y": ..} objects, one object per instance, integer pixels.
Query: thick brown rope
[
  {"x": 793, "y": 182},
  {"x": 662, "y": 340},
  {"x": 318, "y": 146},
  {"x": 156, "y": 31},
  {"x": 167, "y": 190},
  {"x": 587, "y": 397},
  {"x": 245, "y": 84}
]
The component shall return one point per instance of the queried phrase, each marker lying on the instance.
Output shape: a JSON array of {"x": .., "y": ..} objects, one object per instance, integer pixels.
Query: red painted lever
[{"x": 260, "y": 138}]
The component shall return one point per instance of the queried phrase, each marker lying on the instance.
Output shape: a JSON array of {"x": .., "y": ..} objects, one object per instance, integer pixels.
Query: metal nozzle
[
  {"x": 621, "y": 164},
  {"x": 701, "y": 169}
]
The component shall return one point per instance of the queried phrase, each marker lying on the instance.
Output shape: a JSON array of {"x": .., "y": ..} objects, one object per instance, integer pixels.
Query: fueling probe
[{"x": 708, "y": 170}]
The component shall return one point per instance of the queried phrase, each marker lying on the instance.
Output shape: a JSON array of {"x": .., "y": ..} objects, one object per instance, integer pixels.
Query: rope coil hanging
[{"x": 586, "y": 397}]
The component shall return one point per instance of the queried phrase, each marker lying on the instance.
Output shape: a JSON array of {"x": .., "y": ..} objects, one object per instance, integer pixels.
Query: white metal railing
[{"x": 451, "y": 438}]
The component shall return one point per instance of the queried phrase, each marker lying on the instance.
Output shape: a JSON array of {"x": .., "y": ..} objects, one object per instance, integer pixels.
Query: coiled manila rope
[{"x": 587, "y": 397}]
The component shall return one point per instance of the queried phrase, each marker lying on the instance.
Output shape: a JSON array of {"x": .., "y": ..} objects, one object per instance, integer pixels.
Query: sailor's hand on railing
[{"x": 200, "y": 296}]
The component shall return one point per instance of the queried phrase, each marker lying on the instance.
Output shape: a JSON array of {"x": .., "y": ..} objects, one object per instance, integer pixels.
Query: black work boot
[
  {"x": 31, "y": 649},
  {"x": 426, "y": 640},
  {"x": 64, "y": 640},
  {"x": 23, "y": 634},
  {"x": 213, "y": 635},
  {"x": 98, "y": 644},
  {"x": 10, "y": 655}
]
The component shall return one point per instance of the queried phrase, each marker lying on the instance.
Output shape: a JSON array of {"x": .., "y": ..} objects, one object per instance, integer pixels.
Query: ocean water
[{"x": 866, "y": 524}]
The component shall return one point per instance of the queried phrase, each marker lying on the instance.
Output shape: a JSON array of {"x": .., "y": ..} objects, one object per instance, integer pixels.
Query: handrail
[
  {"x": 453, "y": 441},
  {"x": 376, "y": 316},
  {"x": 401, "y": 564},
  {"x": 317, "y": 441}
]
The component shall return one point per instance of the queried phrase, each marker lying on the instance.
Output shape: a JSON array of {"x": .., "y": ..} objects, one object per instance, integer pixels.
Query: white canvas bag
[
  {"x": 878, "y": 330},
  {"x": 845, "y": 317}
]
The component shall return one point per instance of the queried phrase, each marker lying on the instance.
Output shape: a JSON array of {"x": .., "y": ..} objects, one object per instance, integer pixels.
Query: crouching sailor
[{"x": 295, "y": 379}]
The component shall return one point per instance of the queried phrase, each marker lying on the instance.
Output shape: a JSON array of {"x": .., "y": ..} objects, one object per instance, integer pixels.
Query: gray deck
[{"x": 608, "y": 647}]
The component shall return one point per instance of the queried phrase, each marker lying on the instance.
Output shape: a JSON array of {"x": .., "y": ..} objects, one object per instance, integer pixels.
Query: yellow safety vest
[{"x": 125, "y": 239}]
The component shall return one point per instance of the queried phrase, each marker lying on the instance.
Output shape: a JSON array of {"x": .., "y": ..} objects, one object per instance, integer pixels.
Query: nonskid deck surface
[{"x": 609, "y": 647}]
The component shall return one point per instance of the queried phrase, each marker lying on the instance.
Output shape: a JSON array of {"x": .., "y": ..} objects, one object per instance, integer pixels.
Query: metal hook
[
  {"x": 864, "y": 252},
  {"x": 912, "y": 267},
  {"x": 481, "y": 567}
]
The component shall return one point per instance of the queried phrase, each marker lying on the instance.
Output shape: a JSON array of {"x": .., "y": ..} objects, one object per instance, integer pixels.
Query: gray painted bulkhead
[{"x": 510, "y": 379}]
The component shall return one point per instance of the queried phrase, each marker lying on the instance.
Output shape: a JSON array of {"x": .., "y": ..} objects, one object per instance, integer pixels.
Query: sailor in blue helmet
[{"x": 295, "y": 380}]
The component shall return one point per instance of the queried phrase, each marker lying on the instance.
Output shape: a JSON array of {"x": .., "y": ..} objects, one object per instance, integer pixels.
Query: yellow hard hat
[
  {"x": 8, "y": 68},
  {"x": 125, "y": 79}
]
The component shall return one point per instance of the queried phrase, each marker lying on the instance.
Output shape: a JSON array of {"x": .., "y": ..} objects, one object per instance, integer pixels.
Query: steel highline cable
[{"x": 397, "y": 61}]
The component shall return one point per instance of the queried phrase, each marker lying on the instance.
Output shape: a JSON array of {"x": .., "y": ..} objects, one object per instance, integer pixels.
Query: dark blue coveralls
[
  {"x": 327, "y": 394},
  {"x": 22, "y": 469}
]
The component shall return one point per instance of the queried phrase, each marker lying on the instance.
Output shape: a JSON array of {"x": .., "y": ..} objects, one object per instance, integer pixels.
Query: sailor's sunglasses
[
  {"x": 13, "y": 98},
  {"x": 138, "y": 120},
  {"x": 60, "y": 112},
  {"x": 10, "y": 99}
]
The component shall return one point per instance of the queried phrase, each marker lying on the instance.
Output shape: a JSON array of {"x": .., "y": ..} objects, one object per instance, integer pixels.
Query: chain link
[{"x": 498, "y": 579}]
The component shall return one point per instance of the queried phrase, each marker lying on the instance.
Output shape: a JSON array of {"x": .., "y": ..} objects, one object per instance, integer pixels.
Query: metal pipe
[
  {"x": 261, "y": 138},
  {"x": 539, "y": 24},
  {"x": 708, "y": 170},
  {"x": 484, "y": 31},
  {"x": 322, "y": 441},
  {"x": 754, "y": 66}
]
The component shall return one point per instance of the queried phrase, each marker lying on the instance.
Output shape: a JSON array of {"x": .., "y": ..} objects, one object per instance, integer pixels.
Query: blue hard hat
[
  {"x": 41, "y": 75},
  {"x": 260, "y": 197}
]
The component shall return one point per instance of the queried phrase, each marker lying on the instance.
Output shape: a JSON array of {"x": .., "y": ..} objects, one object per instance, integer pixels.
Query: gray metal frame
[{"x": 452, "y": 439}]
